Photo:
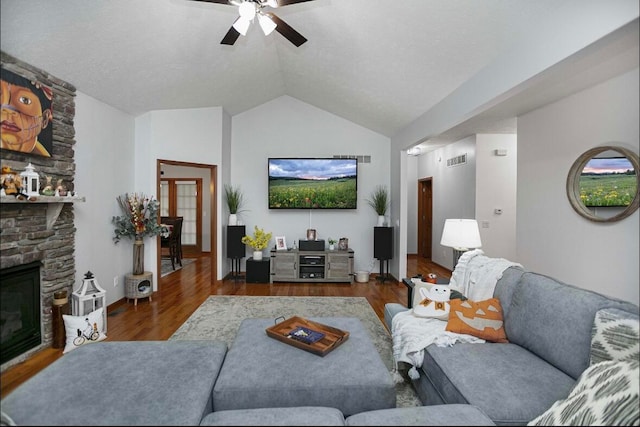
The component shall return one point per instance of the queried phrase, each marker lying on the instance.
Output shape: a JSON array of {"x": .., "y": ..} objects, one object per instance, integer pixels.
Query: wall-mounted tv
[
  {"x": 608, "y": 181},
  {"x": 313, "y": 183}
]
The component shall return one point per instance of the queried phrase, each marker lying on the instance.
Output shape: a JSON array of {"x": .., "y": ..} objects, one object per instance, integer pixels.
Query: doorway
[
  {"x": 183, "y": 197},
  {"x": 203, "y": 176},
  {"x": 425, "y": 217}
]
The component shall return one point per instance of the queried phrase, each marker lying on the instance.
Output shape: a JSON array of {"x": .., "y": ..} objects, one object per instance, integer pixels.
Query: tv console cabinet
[{"x": 311, "y": 266}]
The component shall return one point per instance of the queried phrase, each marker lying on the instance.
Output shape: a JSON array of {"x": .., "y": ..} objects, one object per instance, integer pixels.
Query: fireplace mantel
[{"x": 54, "y": 204}]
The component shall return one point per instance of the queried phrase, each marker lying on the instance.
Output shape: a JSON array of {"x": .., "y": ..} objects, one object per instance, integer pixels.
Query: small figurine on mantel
[
  {"x": 61, "y": 190},
  {"x": 48, "y": 190},
  {"x": 11, "y": 184}
]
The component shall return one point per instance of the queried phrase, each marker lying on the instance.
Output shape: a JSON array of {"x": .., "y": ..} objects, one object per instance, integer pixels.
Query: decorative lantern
[
  {"x": 30, "y": 181},
  {"x": 89, "y": 297}
]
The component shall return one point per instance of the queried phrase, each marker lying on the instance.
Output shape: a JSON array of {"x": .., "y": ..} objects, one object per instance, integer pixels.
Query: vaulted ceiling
[{"x": 380, "y": 64}]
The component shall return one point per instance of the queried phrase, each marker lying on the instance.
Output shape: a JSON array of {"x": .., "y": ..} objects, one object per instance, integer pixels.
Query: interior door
[
  {"x": 183, "y": 197},
  {"x": 425, "y": 217}
]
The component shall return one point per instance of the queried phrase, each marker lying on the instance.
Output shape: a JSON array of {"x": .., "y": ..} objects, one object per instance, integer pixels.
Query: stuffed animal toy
[
  {"x": 434, "y": 303},
  {"x": 10, "y": 182}
]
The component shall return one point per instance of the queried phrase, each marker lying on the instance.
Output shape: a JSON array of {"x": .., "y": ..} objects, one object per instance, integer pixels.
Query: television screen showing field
[
  {"x": 313, "y": 183},
  {"x": 608, "y": 181}
]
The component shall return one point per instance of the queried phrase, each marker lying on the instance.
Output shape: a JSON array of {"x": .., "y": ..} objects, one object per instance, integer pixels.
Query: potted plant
[
  {"x": 332, "y": 243},
  {"x": 379, "y": 201},
  {"x": 234, "y": 199},
  {"x": 259, "y": 242}
]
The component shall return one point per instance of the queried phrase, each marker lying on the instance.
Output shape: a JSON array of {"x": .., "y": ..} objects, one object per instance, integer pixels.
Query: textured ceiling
[{"x": 377, "y": 63}]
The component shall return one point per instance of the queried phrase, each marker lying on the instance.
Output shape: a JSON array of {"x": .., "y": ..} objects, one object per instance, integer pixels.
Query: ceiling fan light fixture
[
  {"x": 247, "y": 10},
  {"x": 266, "y": 24},
  {"x": 271, "y": 3},
  {"x": 242, "y": 25}
]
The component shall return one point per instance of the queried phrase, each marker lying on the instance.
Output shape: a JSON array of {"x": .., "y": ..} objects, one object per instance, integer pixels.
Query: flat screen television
[
  {"x": 608, "y": 182},
  {"x": 313, "y": 183}
]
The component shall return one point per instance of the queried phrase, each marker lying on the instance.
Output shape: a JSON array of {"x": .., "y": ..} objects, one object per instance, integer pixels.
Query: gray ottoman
[
  {"x": 122, "y": 383},
  {"x": 262, "y": 372}
]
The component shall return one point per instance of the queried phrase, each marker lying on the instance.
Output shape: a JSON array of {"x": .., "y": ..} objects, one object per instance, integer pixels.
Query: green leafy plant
[
  {"x": 259, "y": 241},
  {"x": 332, "y": 241},
  {"x": 140, "y": 217},
  {"x": 379, "y": 200},
  {"x": 233, "y": 196}
]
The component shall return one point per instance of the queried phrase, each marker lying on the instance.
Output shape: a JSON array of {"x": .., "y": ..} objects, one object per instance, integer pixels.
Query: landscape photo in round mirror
[
  {"x": 603, "y": 184},
  {"x": 608, "y": 181}
]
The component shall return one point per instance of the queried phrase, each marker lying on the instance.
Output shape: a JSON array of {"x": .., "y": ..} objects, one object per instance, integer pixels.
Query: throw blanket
[
  {"x": 411, "y": 335},
  {"x": 476, "y": 275}
]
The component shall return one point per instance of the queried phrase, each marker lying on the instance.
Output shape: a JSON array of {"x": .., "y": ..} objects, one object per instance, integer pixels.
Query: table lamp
[{"x": 461, "y": 235}]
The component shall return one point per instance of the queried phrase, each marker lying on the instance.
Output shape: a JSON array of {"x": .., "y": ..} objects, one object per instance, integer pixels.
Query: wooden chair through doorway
[{"x": 173, "y": 242}]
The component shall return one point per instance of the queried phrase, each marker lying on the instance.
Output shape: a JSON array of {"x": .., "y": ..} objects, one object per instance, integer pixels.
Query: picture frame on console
[{"x": 281, "y": 243}]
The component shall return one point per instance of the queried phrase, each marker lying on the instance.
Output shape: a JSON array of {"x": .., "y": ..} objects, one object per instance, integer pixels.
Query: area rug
[
  {"x": 219, "y": 317},
  {"x": 166, "y": 265}
]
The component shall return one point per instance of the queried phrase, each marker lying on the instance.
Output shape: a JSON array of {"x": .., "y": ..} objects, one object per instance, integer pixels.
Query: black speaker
[
  {"x": 383, "y": 243},
  {"x": 235, "y": 247},
  {"x": 311, "y": 245}
]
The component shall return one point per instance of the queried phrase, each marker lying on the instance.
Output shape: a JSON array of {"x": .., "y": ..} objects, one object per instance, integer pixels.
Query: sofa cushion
[
  {"x": 122, "y": 383},
  {"x": 297, "y": 416},
  {"x": 510, "y": 384},
  {"x": 553, "y": 320},
  {"x": 605, "y": 394},
  {"x": 615, "y": 336},
  {"x": 482, "y": 319},
  {"x": 439, "y": 415}
]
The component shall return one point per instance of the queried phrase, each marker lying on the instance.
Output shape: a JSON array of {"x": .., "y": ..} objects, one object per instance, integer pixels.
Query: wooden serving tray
[{"x": 332, "y": 339}]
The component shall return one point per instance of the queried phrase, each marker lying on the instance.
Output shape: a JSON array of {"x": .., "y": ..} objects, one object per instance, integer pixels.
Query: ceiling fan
[{"x": 249, "y": 9}]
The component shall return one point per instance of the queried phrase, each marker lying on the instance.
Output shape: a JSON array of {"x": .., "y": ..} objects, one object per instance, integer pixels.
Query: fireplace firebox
[{"x": 20, "y": 328}]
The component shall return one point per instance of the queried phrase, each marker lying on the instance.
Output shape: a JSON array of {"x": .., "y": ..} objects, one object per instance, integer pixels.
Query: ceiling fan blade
[
  {"x": 287, "y": 31},
  {"x": 287, "y": 2},
  {"x": 231, "y": 37}
]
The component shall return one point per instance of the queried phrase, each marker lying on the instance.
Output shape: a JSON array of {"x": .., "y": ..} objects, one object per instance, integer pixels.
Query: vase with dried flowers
[{"x": 140, "y": 220}]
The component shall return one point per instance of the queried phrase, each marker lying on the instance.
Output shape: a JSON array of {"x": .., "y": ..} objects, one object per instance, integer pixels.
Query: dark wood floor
[{"x": 181, "y": 293}]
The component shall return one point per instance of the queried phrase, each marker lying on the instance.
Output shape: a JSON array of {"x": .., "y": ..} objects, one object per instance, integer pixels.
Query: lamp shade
[
  {"x": 461, "y": 234},
  {"x": 242, "y": 25},
  {"x": 266, "y": 24}
]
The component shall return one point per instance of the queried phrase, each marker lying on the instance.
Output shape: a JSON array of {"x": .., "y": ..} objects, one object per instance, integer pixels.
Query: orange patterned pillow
[{"x": 482, "y": 319}]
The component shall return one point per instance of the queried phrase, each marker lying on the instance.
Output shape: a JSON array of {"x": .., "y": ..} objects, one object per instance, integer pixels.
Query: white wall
[
  {"x": 287, "y": 127},
  {"x": 104, "y": 157},
  {"x": 188, "y": 135},
  {"x": 412, "y": 203},
  {"x": 454, "y": 190},
  {"x": 496, "y": 188},
  {"x": 551, "y": 237}
]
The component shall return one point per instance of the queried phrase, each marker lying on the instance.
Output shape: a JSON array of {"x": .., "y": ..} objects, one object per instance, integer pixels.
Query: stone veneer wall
[{"x": 24, "y": 236}]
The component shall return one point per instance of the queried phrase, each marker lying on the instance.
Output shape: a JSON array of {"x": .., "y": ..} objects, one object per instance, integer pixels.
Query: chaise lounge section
[{"x": 549, "y": 325}]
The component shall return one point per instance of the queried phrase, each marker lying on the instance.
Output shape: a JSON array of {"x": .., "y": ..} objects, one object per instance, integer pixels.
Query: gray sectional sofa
[
  {"x": 549, "y": 327},
  {"x": 548, "y": 323}
]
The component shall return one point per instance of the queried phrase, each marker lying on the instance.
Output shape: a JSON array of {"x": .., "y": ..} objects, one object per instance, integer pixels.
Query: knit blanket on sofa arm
[
  {"x": 476, "y": 275},
  {"x": 412, "y": 334}
]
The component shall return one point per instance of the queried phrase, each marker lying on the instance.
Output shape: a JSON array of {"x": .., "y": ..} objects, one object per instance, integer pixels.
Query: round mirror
[{"x": 602, "y": 184}]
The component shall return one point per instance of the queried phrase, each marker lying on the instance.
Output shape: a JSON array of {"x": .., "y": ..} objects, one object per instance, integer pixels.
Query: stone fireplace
[{"x": 39, "y": 234}]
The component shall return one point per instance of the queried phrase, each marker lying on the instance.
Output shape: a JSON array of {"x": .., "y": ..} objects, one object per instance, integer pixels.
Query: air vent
[
  {"x": 457, "y": 160},
  {"x": 360, "y": 157}
]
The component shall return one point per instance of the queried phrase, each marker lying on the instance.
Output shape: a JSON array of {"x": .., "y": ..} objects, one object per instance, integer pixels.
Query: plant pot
[
  {"x": 332, "y": 247},
  {"x": 257, "y": 255},
  {"x": 380, "y": 220},
  {"x": 362, "y": 276},
  {"x": 233, "y": 219}
]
